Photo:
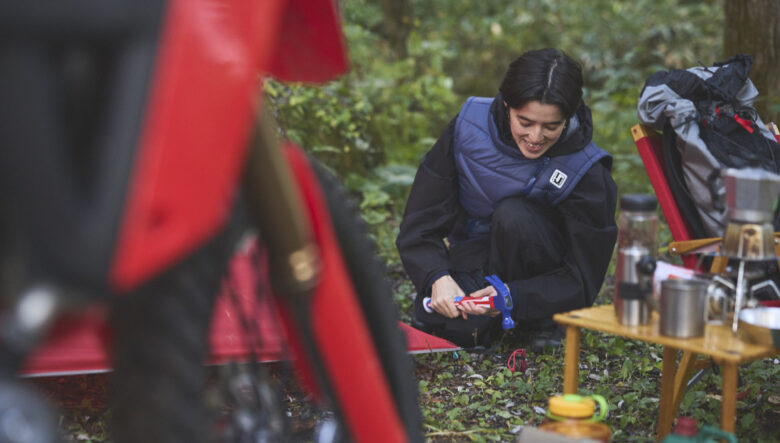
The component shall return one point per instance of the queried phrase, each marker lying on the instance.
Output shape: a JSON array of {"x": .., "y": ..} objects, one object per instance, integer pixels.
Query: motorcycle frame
[{"x": 177, "y": 192}]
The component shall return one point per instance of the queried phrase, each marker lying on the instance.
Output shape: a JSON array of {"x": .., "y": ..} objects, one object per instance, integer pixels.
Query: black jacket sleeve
[
  {"x": 588, "y": 218},
  {"x": 431, "y": 211}
]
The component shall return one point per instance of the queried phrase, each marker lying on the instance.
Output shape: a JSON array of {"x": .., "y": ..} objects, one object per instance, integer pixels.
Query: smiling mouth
[{"x": 535, "y": 145}]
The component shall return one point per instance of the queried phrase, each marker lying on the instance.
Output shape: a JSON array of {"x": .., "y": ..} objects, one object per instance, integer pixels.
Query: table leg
[
  {"x": 728, "y": 410},
  {"x": 681, "y": 378},
  {"x": 571, "y": 370},
  {"x": 665, "y": 410}
]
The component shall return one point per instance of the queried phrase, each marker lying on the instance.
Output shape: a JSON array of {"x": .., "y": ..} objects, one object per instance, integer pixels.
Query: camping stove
[{"x": 748, "y": 240}]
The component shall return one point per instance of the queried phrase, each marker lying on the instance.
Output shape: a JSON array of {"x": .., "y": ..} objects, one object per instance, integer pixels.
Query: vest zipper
[{"x": 530, "y": 185}]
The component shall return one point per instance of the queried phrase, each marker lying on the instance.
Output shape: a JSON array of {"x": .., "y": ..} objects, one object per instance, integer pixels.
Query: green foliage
[
  {"x": 390, "y": 111},
  {"x": 330, "y": 121},
  {"x": 383, "y": 108}
]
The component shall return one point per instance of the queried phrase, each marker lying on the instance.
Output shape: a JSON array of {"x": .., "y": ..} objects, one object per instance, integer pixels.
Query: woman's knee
[
  {"x": 518, "y": 222},
  {"x": 515, "y": 213}
]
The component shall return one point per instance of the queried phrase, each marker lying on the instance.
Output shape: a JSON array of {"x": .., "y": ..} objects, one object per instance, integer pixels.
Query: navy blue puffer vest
[{"x": 489, "y": 170}]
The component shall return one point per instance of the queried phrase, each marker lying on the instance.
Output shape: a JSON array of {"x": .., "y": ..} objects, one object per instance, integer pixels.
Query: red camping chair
[{"x": 648, "y": 143}]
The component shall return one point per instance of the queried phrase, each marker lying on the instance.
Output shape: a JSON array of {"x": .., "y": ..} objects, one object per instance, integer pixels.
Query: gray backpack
[{"x": 709, "y": 123}]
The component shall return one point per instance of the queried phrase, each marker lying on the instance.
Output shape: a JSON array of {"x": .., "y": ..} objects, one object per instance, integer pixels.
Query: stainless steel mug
[{"x": 683, "y": 307}]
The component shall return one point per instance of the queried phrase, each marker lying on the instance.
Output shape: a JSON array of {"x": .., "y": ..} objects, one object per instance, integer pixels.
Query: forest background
[{"x": 413, "y": 62}]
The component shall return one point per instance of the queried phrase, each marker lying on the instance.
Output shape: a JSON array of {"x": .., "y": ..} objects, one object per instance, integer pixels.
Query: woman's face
[{"x": 535, "y": 127}]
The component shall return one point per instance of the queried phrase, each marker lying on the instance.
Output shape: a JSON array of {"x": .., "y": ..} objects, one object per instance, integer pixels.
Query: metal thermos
[
  {"x": 637, "y": 225},
  {"x": 630, "y": 305}
]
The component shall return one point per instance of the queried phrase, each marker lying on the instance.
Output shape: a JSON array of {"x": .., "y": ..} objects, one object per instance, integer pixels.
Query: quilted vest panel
[{"x": 489, "y": 170}]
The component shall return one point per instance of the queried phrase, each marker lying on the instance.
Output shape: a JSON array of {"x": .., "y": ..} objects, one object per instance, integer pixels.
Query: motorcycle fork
[{"x": 275, "y": 206}]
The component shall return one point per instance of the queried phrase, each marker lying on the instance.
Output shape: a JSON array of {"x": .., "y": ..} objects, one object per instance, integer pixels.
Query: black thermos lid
[{"x": 638, "y": 202}]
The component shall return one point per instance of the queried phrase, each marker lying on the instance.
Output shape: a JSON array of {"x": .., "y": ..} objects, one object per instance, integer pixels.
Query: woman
[{"x": 514, "y": 187}]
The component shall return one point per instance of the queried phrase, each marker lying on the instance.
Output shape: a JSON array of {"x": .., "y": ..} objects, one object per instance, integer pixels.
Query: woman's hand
[
  {"x": 443, "y": 293},
  {"x": 468, "y": 307}
]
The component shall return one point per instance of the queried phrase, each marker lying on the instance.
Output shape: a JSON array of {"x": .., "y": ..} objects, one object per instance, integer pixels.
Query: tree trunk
[
  {"x": 753, "y": 27},
  {"x": 397, "y": 24}
]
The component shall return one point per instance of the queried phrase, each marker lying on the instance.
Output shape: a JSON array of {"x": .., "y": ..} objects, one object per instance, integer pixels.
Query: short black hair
[{"x": 545, "y": 75}]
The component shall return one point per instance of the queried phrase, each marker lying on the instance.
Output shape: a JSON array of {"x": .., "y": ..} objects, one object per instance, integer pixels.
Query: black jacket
[{"x": 587, "y": 216}]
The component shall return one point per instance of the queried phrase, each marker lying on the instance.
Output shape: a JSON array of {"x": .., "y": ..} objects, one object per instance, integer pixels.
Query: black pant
[{"x": 524, "y": 241}]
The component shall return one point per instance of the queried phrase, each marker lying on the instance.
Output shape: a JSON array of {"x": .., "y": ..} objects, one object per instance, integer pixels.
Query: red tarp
[{"x": 80, "y": 345}]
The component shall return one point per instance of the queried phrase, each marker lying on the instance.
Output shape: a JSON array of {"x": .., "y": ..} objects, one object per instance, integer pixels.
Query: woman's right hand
[{"x": 443, "y": 293}]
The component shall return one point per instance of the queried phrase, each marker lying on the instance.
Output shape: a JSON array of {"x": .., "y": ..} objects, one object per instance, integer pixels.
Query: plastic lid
[
  {"x": 638, "y": 202},
  {"x": 572, "y": 406}
]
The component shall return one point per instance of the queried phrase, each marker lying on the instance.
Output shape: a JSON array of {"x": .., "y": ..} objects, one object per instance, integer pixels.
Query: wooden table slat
[{"x": 718, "y": 340}]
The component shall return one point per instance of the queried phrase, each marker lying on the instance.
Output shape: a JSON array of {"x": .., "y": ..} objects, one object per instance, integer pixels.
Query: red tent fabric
[
  {"x": 81, "y": 345},
  {"x": 418, "y": 342}
]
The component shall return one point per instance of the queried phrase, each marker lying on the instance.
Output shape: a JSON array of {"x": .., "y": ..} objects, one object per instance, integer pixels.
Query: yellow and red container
[{"x": 574, "y": 415}]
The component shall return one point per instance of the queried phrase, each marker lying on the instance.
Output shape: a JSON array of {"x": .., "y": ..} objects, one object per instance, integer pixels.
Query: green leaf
[
  {"x": 747, "y": 420},
  {"x": 374, "y": 197},
  {"x": 373, "y": 217},
  {"x": 454, "y": 412},
  {"x": 325, "y": 148}
]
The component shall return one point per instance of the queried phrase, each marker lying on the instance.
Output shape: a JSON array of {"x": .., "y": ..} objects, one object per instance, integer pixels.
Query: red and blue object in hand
[{"x": 502, "y": 301}]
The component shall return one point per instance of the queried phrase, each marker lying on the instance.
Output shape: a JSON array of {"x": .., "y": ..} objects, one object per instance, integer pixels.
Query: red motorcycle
[{"x": 134, "y": 158}]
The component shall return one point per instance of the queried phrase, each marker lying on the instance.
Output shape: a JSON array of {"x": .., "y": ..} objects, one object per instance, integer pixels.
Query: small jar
[
  {"x": 574, "y": 416},
  {"x": 638, "y": 221}
]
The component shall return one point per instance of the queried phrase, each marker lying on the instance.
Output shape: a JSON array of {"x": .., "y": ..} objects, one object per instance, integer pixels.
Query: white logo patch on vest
[{"x": 558, "y": 178}]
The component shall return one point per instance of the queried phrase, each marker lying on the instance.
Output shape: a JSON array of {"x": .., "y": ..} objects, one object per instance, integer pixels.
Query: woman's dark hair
[{"x": 545, "y": 75}]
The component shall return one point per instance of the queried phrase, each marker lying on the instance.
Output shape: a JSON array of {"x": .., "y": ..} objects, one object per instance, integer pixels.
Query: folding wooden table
[{"x": 718, "y": 342}]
